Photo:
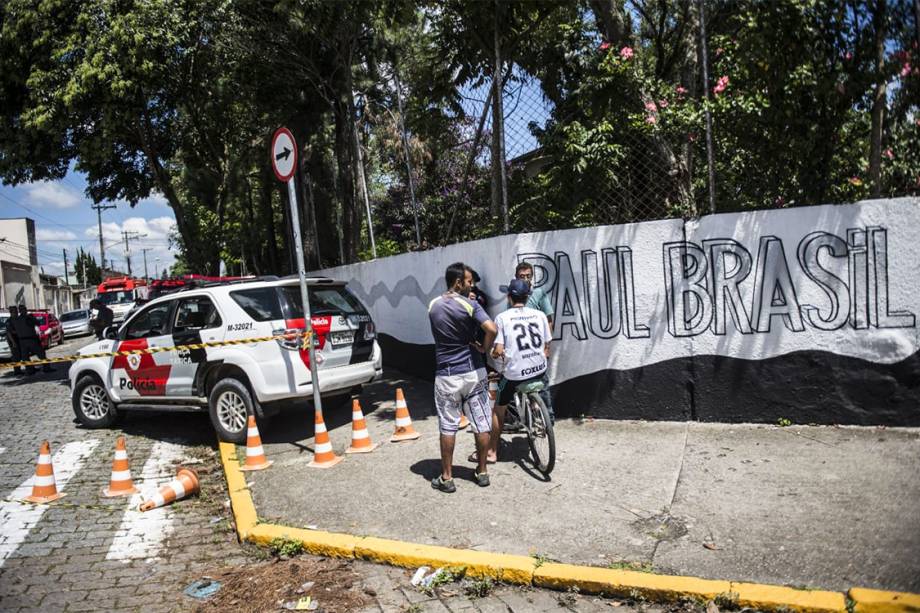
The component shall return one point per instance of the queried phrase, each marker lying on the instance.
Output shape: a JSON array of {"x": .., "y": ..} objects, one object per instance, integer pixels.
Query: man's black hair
[
  {"x": 454, "y": 272},
  {"x": 522, "y": 266}
]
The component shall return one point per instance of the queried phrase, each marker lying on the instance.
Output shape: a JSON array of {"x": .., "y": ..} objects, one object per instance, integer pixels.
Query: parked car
[
  {"x": 50, "y": 331},
  {"x": 5, "y": 353},
  {"x": 234, "y": 381},
  {"x": 76, "y": 323}
]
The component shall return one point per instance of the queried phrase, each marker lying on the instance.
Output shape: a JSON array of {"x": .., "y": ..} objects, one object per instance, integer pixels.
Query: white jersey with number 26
[{"x": 524, "y": 332}]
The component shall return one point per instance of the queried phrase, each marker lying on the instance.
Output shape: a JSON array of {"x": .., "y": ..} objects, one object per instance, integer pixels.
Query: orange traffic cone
[
  {"x": 464, "y": 422},
  {"x": 404, "y": 429},
  {"x": 121, "y": 483},
  {"x": 360, "y": 438},
  {"x": 255, "y": 456},
  {"x": 44, "y": 489},
  {"x": 185, "y": 484},
  {"x": 323, "y": 455}
]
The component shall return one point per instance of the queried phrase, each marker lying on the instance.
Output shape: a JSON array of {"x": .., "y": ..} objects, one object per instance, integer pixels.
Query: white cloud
[
  {"x": 155, "y": 239},
  {"x": 156, "y": 199},
  {"x": 53, "y": 195},
  {"x": 44, "y": 234}
]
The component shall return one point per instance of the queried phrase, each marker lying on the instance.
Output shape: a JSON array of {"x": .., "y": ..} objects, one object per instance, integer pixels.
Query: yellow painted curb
[
  {"x": 626, "y": 583},
  {"x": 329, "y": 544},
  {"x": 772, "y": 597},
  {"x": 880, "y": 601},
  {"x": 524, "y": 570},
  {"x": 504, "y": 567},
  {"x": 244, "y": 510}
]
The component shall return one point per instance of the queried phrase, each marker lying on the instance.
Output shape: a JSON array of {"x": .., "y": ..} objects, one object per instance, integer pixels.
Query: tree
[{"x": 87, "y": 271}]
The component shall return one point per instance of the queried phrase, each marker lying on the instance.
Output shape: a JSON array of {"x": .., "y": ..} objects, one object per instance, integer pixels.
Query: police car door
[
  {"x": 196, "y": 320},
  {"x": 139, "y": 375}
]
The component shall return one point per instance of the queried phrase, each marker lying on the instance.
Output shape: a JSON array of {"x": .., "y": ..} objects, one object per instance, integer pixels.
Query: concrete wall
[
  {"x": 19, "y": 274},
  {"x": 808, "y": 314}
]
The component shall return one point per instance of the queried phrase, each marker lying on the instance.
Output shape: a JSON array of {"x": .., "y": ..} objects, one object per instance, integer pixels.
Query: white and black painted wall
[{"x": 807, "y": 313}]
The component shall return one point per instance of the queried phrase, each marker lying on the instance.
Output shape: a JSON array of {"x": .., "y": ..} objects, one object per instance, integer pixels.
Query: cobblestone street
[{"x": 86, "y": 552}]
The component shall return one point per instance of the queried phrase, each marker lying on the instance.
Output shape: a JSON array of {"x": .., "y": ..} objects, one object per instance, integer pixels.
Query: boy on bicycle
[{"x": 522, "y": 346}]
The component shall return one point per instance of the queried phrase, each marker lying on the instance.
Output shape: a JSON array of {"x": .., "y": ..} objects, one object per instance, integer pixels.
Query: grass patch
[
  {"x": 727, "y": 601},
  {"x": 479, "y": 588},
  {"x": 639, "y": 567},
  {"x": 285, "y": 547}
]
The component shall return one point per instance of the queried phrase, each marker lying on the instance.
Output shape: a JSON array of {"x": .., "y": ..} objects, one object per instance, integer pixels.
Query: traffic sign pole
[{"x": 284, "y": 163}]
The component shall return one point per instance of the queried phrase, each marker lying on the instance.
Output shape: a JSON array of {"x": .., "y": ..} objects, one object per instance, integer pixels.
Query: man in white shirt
[{"x": 522, "y": 348}]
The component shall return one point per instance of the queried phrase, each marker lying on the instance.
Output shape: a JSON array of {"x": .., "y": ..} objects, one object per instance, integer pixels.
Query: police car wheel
[
  {"x": 230, "y": 405},
  {"x": 92, "y": 405}
]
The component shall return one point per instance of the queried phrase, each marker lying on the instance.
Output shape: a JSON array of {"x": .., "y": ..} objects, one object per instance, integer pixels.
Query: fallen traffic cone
[
  {"x": 255, "y": 456},
  {"x": 185, "y": 484},
  {"x": 464, "y": 422},
  {"x": 120, "y": 483},
  {"x": 44, "y": 489},
  {"x": 404, "y": 429},
  {"x": 323, "y": 455},
  {"x": 360, "y": 438}
]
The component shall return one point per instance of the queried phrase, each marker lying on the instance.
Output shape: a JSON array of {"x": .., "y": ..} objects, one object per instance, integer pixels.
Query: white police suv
[{"x": 231, "y": 381}]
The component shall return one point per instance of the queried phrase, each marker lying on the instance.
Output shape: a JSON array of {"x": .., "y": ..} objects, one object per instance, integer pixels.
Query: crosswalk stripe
[
  {"x": 18, "y": 519},
  {"x": 141, "y": 534}
]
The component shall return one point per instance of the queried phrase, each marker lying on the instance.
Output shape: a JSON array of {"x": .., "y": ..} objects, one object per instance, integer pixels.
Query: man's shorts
[
  {"x": 506, "y": 389},
  {"x": 468, "y": 393}
]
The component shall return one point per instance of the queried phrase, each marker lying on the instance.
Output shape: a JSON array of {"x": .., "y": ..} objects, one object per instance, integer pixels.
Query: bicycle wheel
[{"x": 540, "y": 434}]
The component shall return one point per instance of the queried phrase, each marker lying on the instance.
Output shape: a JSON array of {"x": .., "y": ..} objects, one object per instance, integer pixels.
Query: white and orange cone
[
  {"x": 360, "y": 437},
  {"x": 255, "y": 455},
  {"x": 185, "y": 484},
  {"x": 44, "y": 488},
  {"x": 120, "y": 484},
  {"x": 323, "y": 455},
  {"x": 404, "y": 429}
]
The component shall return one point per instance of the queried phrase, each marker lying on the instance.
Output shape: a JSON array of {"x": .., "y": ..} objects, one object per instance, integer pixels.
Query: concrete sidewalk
[{"x": 802, "y": 506}]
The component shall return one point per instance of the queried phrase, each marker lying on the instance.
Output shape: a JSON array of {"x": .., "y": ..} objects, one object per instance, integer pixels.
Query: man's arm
[
  {"x": 547, "y": 307},
  {"x": 490, "y": 332}
]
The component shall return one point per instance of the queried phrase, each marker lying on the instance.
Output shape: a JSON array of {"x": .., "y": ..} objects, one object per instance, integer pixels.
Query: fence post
[
  {"x": 499, "y": 176},
  {"x": 710, "y": 156}
]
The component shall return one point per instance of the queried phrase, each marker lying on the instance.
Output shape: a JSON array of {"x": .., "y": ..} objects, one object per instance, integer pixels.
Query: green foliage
[
  {"x": 285, "y": 547},
  {"x": 87, "y": 271}
]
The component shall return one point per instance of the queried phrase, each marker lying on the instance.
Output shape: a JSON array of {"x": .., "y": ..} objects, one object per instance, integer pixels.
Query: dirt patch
[
  {"x": 662, "y": 527},
  {"x": 266, "y": 586}
]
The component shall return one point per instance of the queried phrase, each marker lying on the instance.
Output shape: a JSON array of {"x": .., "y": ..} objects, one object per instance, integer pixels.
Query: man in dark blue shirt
[{"x": 460, "y": 376}]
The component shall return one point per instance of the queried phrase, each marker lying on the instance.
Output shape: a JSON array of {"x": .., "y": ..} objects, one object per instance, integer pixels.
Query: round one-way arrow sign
[{"x": 284, "y": 154}]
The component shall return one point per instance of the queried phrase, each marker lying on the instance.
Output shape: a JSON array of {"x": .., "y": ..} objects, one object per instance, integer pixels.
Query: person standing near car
[
  {"x": 26, "y": 327},
  {"x": 460, "y": 375},
  {"x": 102, "y": 320},
  {"x": 12, "y": 340}
]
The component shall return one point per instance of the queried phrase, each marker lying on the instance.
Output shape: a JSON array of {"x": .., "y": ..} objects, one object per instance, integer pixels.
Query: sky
[{"x": 64, "y": 220}]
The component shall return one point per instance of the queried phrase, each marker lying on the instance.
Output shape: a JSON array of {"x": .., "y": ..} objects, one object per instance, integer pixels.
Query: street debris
[
  {"x": 419, "y": 576},
  {"x": 283, "y": 584},
  {"x": 203, "y": 588},
  {"x": 711, "y": 546}
]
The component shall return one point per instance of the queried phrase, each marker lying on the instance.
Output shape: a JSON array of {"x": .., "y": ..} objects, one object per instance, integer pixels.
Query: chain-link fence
[{"x": 626, "y": 143}]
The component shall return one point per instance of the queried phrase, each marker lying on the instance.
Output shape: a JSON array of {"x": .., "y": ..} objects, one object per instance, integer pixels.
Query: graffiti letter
[
  {"x": 689, "y": 304},
  {"x": 879, "y": 313},
  {"x": 859, "y": 293},
  {"x": 836, "y": 290},
  {"x": 568, "y": 305},
  {"x": 774, "y": 293},
  {"x": 725, "y": 280},
  {"x": 628, "y": 296},
  {"x": 603, "y": 312}
]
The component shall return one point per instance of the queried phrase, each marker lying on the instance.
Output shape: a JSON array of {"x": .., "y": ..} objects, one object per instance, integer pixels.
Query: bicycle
[{"x": 534, "y": 416}]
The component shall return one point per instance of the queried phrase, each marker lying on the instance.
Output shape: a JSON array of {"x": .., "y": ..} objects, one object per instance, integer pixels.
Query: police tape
[{"x": 149, "y": 350}]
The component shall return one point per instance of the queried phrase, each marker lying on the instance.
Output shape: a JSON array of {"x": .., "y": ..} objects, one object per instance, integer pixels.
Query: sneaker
[
  {"x": 482, "y": 480},
  {"x": 445, "y": 486}
]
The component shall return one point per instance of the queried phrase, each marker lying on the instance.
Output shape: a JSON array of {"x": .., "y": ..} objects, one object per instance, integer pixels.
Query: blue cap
[{"x": 519, "y": 288}]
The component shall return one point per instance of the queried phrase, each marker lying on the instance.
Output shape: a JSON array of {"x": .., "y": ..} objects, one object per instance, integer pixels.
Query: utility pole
[
  {"x": 145, "y": 250},
  {"x": 66, "y": 276},
  {"x": 128, "y": 236},
  {"x": 99, "y": 208}
]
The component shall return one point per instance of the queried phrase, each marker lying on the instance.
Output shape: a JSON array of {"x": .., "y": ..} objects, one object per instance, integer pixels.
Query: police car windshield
[
  {"x": 323, "y": 301},
  {"x": 115, "y": 297}
]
